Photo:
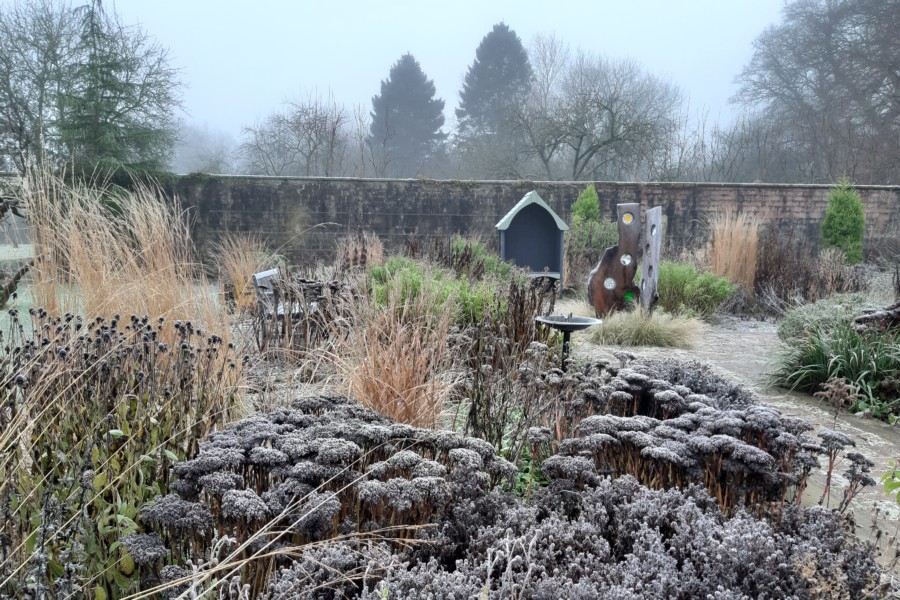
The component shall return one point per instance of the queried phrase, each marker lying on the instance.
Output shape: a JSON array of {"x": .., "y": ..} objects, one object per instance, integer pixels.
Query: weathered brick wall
[{"x": 303, "y": 216}]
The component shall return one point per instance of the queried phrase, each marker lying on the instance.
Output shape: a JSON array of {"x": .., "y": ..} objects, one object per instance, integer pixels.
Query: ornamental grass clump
[
  {"x": 238, "y": 257},
  {"x": 868, "y": 361},
  {"x": 734, "y": 247},
  {"x": 105, "y": 251},
  {"x": 642, "y": 328},
  {"x": 94, "y": 415},
  {"x": 395, "y": 356},
  {"x": 326, "y": 468}
]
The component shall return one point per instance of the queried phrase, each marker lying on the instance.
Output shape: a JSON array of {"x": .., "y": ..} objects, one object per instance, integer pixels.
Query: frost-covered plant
[
  {"x": 671, "y": 424},
  {"x": 620, "y": 540},
  {"x": 94, "y": 413},
  {"x": 326, "y": 468}
]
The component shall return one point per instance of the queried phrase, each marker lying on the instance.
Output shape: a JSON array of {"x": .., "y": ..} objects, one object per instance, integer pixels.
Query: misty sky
[{"x": 241, "y": 60}]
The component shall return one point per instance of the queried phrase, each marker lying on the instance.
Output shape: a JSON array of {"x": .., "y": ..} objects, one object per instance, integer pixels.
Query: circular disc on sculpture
[
  {"x": 627, "y": 218},
  {"x": 609, "y": 283},
  {"x": 626, "y": 259}
]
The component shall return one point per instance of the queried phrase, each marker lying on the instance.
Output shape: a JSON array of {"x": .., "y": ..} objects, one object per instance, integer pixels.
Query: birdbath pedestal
[{"x": 567, "y": 324}]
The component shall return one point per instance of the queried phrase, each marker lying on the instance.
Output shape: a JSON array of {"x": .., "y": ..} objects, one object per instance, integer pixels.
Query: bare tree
[
  {"x": 830, "y": 74},
  {"x": 311, "y": 137},
  {"x": 615, "y": 115},
  {"x": 540, "y": 117},
  {"x": 38, "y": 43}
]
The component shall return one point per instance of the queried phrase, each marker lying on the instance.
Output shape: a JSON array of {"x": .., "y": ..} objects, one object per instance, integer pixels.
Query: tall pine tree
[
  {"x": 496, "y": 82},
  {"x": 405, "y": 134},
  {"x": 120, "y": 111}
]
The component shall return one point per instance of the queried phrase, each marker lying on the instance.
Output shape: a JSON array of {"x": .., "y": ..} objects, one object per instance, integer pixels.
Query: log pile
[{"x": 879, "y": 321}]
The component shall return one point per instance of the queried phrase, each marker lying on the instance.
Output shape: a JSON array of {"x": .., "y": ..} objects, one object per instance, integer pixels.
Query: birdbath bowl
[{"x": 567, "y": 324}]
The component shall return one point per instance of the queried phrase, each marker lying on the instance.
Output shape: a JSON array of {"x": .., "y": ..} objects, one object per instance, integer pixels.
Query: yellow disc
[{"x": 627, "y": 218}]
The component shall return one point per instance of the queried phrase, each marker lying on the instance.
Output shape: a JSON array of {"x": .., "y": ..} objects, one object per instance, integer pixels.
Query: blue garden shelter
[{"x": 531, "y": 236}]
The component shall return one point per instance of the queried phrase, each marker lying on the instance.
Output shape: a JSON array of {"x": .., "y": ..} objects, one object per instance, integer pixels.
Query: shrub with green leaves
[
  {"x": 685, "y": 290},
  {"x": 836, "y": 349},
  {"x": 844, "y": 221},
  {"x": 824, "y": 314},
  {"x": 471, "y": 298},
  {"x": 588, "y": 237},
  {"x": 587, "y": 206}
]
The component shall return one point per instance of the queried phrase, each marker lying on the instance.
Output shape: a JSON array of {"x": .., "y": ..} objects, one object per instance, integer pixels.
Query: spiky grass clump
[
  {"x": 869, "y": 362},
  {"x": 639, "y": 328},
  {"x": 110, "y": 251},
  {"x": 395, "y": 355},
  {"x": 734, "y": 246}
]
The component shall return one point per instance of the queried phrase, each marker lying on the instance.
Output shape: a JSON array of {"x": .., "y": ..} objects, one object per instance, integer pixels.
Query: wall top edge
[
  {"x": 645, "y": 184},
  {"x": 665, "y": 184}
]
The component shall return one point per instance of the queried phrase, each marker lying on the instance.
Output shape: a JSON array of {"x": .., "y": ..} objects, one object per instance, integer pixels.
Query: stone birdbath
[{"x": 567, "y": 324}]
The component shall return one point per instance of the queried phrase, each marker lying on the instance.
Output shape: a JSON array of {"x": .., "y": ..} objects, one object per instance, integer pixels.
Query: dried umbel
[{"x": 323, "y": 469}]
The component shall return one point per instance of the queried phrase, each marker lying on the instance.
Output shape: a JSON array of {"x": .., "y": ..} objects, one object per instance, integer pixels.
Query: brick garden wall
[{"x": 304, "y": 216}]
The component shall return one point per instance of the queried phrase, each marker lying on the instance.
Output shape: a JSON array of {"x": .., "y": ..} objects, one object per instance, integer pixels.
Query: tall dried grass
[
  {"x": 105, "y": 252},
  {"x": 238, "y": 257},
  {"x": 396, "y": 359},
  {"x": 356, "y": 252},
  {"x": 734, "y": 248}
]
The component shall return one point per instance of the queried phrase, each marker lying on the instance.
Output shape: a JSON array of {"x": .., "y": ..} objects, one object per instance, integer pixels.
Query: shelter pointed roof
[{"x": 530, "y": 198}]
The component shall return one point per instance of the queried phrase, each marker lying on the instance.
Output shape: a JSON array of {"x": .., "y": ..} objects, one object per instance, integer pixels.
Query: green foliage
[
  {"x": 470, "y": 257},
  {"x": 891, "y": 481},
  {"x": 472, "y": 299},
  {"x": 637, "y": 328},
  {"x": 826, "y": 313},
  {"x": 685, "y": 290},
  {"x": 588, "y": 236},
  {"x": 844, "y": 221},
  {"x": 836, "y": 349},
  {"x": 587, "y": 206}
]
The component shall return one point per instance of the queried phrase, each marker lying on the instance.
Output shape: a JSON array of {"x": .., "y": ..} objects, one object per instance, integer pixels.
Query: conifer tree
[
  {"x": 497, "y": 80},
  {"x": 405, "y": 134}
]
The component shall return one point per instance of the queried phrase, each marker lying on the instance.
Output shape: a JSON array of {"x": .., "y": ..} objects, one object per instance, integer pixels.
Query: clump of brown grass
[
  {"x": 734, "y": 247},
  {"x": 115, "y": 252},
  {"x": 238, "y": 257},
  {"x": 396, "y": 359},
  {"x": 356, "y": 252},
  {"x": 640, "y": 328}
]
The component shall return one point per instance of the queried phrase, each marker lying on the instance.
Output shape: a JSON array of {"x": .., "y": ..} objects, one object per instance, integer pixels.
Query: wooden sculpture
[{"x": 611, "y": 283}]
